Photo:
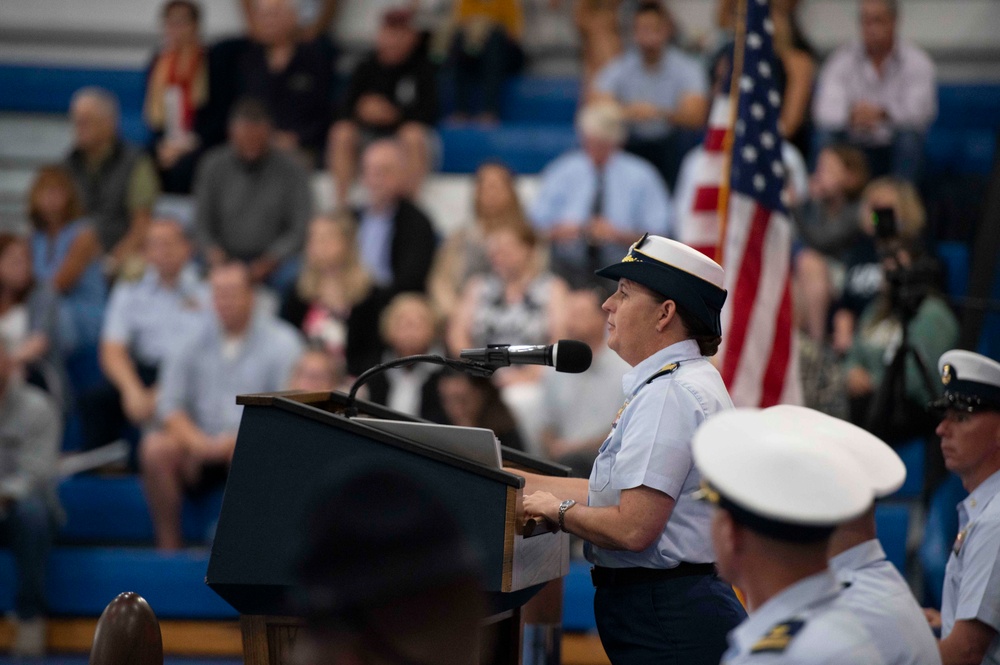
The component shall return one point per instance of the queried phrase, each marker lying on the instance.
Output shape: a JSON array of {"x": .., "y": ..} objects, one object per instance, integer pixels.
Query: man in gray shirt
[
  {"x": 30, "y": 433},
  {"x": 144, "y": 322},
  {"x": 663, "y": 90},
  {"x": 241, "y": 350},
  {"x": 252, "y": 201},
  {"x": 878, "y": 93}
]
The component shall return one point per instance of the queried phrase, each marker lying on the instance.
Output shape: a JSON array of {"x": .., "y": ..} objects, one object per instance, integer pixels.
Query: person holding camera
[{"x": 906, "y": 325}]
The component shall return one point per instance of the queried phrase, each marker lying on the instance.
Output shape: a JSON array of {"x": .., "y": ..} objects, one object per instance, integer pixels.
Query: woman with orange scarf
[{"x": 177, "y": 88}]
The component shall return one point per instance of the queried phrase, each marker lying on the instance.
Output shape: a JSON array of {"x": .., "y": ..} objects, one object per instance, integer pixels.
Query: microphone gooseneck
[{"x": 468, "y": 366}]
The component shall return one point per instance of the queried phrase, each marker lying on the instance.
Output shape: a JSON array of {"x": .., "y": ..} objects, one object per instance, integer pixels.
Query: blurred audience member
[
  {"x": 291, "y": 77},
  {"x": 242, "y": 349},
  {"x": 907, "y": 297},
  {"x": 66, "y": 254},
  {"x": 314, "y": 18},
  {"x": 395, "y": 237},
  {"x": 827, "y": 223},
  {"x": 796, "y": 75},
  {"x": 600, "y": 39},
  {"x": 796, "y": 71},
  {"x": 29, "y": 319},
  {"x": 484, "y": 39},
  {"x": 662, "y": 89},
  {"x": 147, "y": 320},
  {"x": 578, "y": 408},
  {"x": 463, "y": 254},
  {"x": 408, "y": 328},
  {"x": 118, "y": 180},
  {"x": 594, "y": 202},
  {"x": 176, "y": 91},
  {"x": 515, "y": 303},
  {"x": 392, "y": 92},
  {"x": 377, "y": 590},
  {"x": 252, "y": 201},
  {"x": 863, "y": 275},
  {"x": 318, "y": 370},
  {"x": 30, "y": 432},
  {"x": 878, "y": 93},
  {"x": 334, "y": 301},
  {"x": 472, "y": 401}
]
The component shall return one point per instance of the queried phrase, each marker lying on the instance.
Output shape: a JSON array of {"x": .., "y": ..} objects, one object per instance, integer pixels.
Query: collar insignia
[{"x": 779, "y": 638}]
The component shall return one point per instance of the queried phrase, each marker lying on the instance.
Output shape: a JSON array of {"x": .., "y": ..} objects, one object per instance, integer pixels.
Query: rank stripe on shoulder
[{"x": 779, "y": 638}]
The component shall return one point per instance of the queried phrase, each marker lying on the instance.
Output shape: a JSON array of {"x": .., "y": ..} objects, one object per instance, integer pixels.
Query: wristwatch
[{"x": 563, "y": 507}]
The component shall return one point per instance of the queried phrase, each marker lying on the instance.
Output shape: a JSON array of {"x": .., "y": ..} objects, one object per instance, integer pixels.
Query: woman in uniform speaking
[{"x": 658, "y": 599}]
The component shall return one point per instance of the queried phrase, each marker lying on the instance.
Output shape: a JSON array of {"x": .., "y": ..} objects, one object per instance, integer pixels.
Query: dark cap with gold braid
[{"x": 677, "y": 272}]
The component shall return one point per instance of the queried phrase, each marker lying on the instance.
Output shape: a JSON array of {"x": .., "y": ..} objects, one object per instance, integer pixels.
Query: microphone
[{"x": 566, "y": 355}]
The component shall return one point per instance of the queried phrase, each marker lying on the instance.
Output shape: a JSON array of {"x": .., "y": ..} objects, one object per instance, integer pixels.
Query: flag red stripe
[
  {"x": 777, "y": 366},
  {"x": 706, "y": 199},
  {"x": 745, "y": 292},
  {"x": 707, "y": 250},
  {"x": 714, "y": 139}
]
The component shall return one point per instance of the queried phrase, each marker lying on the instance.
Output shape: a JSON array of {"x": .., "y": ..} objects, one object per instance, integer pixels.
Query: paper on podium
[{"x": 476, "y": 444}]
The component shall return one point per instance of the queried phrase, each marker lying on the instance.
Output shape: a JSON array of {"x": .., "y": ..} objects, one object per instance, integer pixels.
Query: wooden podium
[{"x": 286, "y": 441}]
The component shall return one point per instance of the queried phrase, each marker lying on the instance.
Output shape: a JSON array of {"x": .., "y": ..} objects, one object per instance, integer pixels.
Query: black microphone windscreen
[{"x": 572, "y": 356}]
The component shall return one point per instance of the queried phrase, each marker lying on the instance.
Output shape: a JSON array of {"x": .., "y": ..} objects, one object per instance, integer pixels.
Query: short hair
[
  {"x": 653, "y": 7},
  {"x": 524, "y": 233},
  {"x": 235, "y": 267},
  {"x": 891, "y": 5},
  {"x": 193, "y": 9},
  {"x": 602, "y": 120},
  {"x": 251, "y": 109},
  {"x": 60, "y": 176},
  {"x": 104, "y": 97},
  {"x": 856, "y": 163},
  {"x": 399, "y": 302}
]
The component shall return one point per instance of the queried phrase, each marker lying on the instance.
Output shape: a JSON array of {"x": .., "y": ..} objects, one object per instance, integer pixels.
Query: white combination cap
[
  {"x": 971, "y": 382},
  {"x": 789, "y": 484},
  {"x": 678, "y": 272},
  {"x": 885, "y": 470}
]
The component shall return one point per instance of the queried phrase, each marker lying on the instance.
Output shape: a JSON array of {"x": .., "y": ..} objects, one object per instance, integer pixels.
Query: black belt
[{"x": 623, "y": 576}]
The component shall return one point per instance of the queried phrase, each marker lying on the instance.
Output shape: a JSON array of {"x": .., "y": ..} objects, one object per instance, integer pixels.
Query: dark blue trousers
[{"x": 681, "y": 621}]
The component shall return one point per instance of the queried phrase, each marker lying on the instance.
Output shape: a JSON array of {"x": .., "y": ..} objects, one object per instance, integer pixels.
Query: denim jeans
[
  {"x": 681, "y": 621},
  {"x": 27, "y": 529}
]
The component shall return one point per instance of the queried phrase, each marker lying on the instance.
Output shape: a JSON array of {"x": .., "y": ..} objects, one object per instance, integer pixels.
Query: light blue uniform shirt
[
  {"x": 202, "y": 383},
  {"x": 650, "y": 446},
  {"x": 972, "y": 578},
  {"x": 629, "y": 80},
  {"x": 375, "y": 244},
  {"x": 821, "y": 632},
  {"x": 634, "y": 199},
  {"x": 880, "y": 599},
  {"x": 153, "y": 319}
]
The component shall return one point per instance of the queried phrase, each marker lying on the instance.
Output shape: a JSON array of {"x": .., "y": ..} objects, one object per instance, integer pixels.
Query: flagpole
[{"x": 727, "y": 142}]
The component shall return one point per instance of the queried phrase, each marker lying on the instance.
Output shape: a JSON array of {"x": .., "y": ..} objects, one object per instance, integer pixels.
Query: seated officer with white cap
[
  {"x": 658, "y": 597},
  {"x": 970, "y": 443},
  {"x": 874, "y": 591},
  {"x": 779, "y": 495}
]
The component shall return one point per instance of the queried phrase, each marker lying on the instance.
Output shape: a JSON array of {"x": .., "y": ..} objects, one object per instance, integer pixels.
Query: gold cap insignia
[{"x": 946, "y": 374}]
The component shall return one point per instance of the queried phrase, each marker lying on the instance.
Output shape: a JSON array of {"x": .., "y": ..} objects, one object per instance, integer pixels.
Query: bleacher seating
[
  {"x": 539, "y": 113},
  {"x": 539, "y": 125}
]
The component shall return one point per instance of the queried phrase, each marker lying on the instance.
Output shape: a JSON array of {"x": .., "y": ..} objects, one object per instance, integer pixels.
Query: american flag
[
  {"x": 758, "y": 355},
  {"x": 698, "y": 226}
]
